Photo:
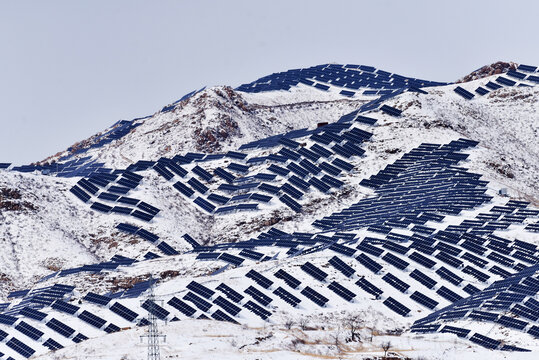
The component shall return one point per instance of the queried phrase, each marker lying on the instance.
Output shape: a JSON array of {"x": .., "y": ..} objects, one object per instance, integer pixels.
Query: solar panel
[
  {"x": 181, "y": 306},
  {"x": 287, "y": 296},
  {"x": 60, "y": 327},
  {"x": 227, "y": 305},
  {"x": 390, "y": 110},
  {"x": 259, "y": 279},
  {"x": 221, "y": 316},
  {"x": 151, "y": 307},
  {"x": 448, "y": 294},
  {"x": 330, "y": 169},
  {"x": 341, "y": 291},
  {"x": 232, "y": 259},
  {"x": 448, "y": 275},
  {"x": 238, "y": 167},
  {"x": 395, "y": 261},
  {"x": 88, "y": 186},
  {"x": 101, "y": 207},
  {"x": 148, "y": 208},
  {"x": 78, "y": 192},
  {"x": 200, "y": 289},
  {"x": 396, "y": 306},
  {"x": 20, "y": 347},
  {"x": 204, "y": 204},
  {"x": 423, "y": 279},
  {"x": 257, "y": 309},
  {"x": 33, "y": 314},
  {"x": 395, "y": 282},
  {"x": 505, "y": 81},
  {"x": 204, "y": 174},
  {"x": 370, "y": 249},
  {"x": 417, "y": 257},
  {"x": 485, "y": 341},
  {"x": 145, "y": 234},
  {"x": 52, "y": 345},
  {"x": 251, "y": 254},
  {"x": 123, "y": 311},
  {"x": 314, "y": 296},
  {"x": 314, "y": 271},
  {"x": 142, "y": 215},
  {"x": 340, "y": 265},
  {"x": 323, "y": 187},
  {"x": 29, "y": 330},
  {"x": 111, "y": 328},
  {"x": 198, "y": 186},
  {"x": 424, "y": 300},
  {"x": 184, "y": 189},
  {"x": 342, "y": 249},
  {"x": 163, "y": 171},
  {"x": 288, "y": 201},
  {"x": 369, "y": 263},
  {"x": 288, "y": 279},
  {"x": 92, "y": 319},
  {"x": 454, "y": 330},
  {"x": 65, "y": 307},
  {"x": 198, "y": 301},
  {"x": 79, "y": 338},
  {"x": 258, "y": 295},
  {"x": 464, "y": 93},
  {"x": 167, "y": 249},
  {"x": 230, "y": 293}
]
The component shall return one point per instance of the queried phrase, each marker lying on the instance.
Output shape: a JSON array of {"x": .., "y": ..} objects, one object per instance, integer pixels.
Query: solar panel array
[{"x": 464, "y": 272}]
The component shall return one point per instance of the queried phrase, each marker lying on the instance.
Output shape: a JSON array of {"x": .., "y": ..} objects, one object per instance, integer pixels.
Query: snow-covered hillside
[{"x": 329, "y": 229}]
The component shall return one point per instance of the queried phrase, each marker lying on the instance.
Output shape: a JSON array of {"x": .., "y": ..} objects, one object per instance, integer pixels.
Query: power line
[{"x": 152, "y": 332}]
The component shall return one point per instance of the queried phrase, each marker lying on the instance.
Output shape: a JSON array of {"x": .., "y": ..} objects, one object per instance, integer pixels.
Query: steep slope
[{"x": 380, "y": 223}]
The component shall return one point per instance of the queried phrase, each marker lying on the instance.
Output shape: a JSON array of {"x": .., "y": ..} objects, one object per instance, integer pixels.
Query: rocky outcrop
[{"x": 499, "y": 67}]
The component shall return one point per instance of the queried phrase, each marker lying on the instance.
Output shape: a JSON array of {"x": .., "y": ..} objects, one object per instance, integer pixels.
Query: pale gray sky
[{"x": 69, "y": 69}]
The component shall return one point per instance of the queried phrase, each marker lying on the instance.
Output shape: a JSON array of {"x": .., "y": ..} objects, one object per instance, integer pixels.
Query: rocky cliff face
[{"x": 496, "y": 68}]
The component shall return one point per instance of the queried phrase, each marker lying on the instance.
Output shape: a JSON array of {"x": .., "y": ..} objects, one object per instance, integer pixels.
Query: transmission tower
[{"x": 153, "y": 334}]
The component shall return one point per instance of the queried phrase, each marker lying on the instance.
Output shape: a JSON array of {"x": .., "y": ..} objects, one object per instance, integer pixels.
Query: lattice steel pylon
[{"x": 153, "y": 333}]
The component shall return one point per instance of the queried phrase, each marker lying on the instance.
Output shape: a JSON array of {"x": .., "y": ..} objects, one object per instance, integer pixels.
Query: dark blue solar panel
[
  {"x": 60, "y": 328},
  {"x": 369, "y": 263},
  {"x": 123, "y": 311},
  {"x": 92, "y": 319},
  {"x": 97, "y": 299},
  {"x": 464, "y": 93},
  {"x": 33, "y": 314},
  {"x": 65, "y": 307},
  {"x": 314, "y": 271},
  {"x": 197, "y": 301},
  {"x": 200, "y": 289},
  {"x": 258, "y": 295},
  {"x": 314, "y": 296},
  {"x": 184, "y": 189},
  {"x": 289, "y": 279},
  {"x": 395, "y": 282},
  {"x": 396, "y": 306},
  {"x": 155, "y": 309},
  {"x": 182, "y": 306},
  {"x": 257, "y": 309},
  {"x": 20, "y": 347},
  {"x": 29, "y": 330},
  {"x": 424, "y": 300},
  {"x": 341, "y": 291},
  {"x": 230, "y": 293},
  {"x": 198, "y": 186}
]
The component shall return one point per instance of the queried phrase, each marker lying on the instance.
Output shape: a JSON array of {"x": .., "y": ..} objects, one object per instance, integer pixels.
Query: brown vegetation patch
[
  {"x": 11, "y": 200},
  {"x": 499, "y": 67}
]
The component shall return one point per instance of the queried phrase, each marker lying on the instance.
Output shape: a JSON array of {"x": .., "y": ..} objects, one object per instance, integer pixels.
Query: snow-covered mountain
[{"x": 319, "y": 211}]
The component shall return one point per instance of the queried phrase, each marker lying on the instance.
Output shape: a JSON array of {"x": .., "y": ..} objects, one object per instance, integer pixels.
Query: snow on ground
[{"x": 61, "y": 232}]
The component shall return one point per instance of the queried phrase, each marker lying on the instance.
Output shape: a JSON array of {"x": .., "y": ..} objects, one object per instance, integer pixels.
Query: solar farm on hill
[{"x": 315, "y": 213}]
